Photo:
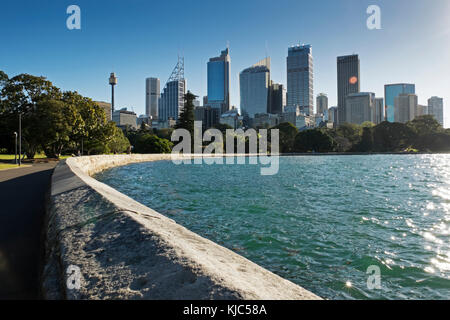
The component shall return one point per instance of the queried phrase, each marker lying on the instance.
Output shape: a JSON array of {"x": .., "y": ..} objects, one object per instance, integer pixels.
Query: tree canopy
[
  {"x": 423, "y": 134},
  {"x": 314, "y": 140},
  {"x": 52, "y": 121},
  {"x": 287, "y": 136},
  {"x": 186, "y": 118}
]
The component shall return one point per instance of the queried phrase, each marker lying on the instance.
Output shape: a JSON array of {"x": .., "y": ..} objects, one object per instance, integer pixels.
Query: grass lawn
[
  {"x": 37, "y": 156},
  {"x": 5, "y": 166},
  {"x": 6, "y": 157}
]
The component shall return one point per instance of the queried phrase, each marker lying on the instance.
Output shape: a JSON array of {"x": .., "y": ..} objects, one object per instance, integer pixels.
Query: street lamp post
[
  {"x": 15, "y": 154},
  {"x": 20, "y": 138},
  {"x": 112, "y": 82}
]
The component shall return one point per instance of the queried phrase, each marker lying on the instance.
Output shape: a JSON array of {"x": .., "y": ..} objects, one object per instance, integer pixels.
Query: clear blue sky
[{"x": 139, "y": 39}]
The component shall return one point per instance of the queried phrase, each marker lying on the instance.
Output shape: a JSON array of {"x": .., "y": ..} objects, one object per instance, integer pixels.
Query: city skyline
[{"x": 84, "y": 58}]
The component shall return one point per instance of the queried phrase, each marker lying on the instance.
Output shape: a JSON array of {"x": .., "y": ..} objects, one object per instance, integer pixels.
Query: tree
[
  {"x": 313, "y": 140},
  {"x": 186, "y": 118},
  {"x": 52, "y": 120},
  {"x": 118, "y": 142},
  {"x": 97, "y": 142},
  {"x": 150, "y": 143},
  {"x": 91, "y": 128},
  {"x": 367, "y": 124},
  {"x": 144, "y": 127},
  {"x": 21, "y": 94},
  {"x": 3, "y": 80},
  {"x": 391, "y": 137},
  {"x": 366, "y": 143},
  {"x": 53, "y": 125},
  {"x": 433, "y": 142},
  {"x": 342, "y": 144},
  {"x": 164, "y": 133},
  {"x": 287, "y": 136},
  {"x": 6, "y": 138},
  {"x": 424, "y": 125},
  {"x": 350, "y": 131}
]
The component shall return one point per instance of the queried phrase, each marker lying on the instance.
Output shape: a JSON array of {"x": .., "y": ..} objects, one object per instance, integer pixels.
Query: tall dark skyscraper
[
  {"x": 276, "y": 99},
  {"x": 300, "y": 78},
  {"x": 348, "y": 81}
]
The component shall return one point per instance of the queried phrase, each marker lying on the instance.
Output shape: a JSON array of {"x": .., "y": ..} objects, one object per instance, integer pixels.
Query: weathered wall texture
[{"x": 128, "y": 251}]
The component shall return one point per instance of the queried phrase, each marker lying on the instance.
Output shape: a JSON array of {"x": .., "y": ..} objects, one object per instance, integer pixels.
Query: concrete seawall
[{"x": 125, "y": 250}]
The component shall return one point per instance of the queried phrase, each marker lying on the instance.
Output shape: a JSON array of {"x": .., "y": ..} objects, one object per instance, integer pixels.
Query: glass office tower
[
  {"x": 436, "y": 108},
  {"x": 254, "y": 83},
  {"x": 152, "y": 95},
  {"x": 172, "y": 100},
  {"x": 321, "y": 103},
  {"x": 300, "y": 78},
  {"x": 391, "y": 91},
  {"x": 219, "y": 81}
]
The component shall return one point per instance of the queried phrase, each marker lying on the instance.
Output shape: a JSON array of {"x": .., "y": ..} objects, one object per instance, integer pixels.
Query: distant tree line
[{"x": 423, "y": 134}]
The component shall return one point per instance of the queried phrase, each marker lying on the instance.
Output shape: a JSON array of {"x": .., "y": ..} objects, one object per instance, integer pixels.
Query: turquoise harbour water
[{"x": 320, "y": 222}]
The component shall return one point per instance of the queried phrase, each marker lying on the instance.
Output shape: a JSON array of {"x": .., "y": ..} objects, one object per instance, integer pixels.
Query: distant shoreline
[{"x": 358, "y": 153}]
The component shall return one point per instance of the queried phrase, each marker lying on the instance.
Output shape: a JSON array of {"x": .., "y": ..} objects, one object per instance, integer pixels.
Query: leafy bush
[
  {"x": 313, "y": 141},
  {"x": 150, "y": 143}
]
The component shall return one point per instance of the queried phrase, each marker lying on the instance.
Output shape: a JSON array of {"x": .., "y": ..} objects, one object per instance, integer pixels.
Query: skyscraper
[
  {"x": 152, "y": 94},
  {"x": 276, "y": 100},
  {"x": 421, "y": 110},
  {"x": 332, "y": 115},
  {"x": 207, "y": 115},
  {"x": 405, "y": 107},
  {"x": 322, "y": 103},
  {"x": 391, "y": 91},
  {"x": 172, "y": 97},
  {"x": 360, "y": 107},
  {"x": 348, "y": 81},
  {"x": 254, "y": 88},
  {"x": 300, "y": 78},
  {"x": 219, "y": 81},
  {"x": 436, "y": 108},
  {"x": 379, "y": 111}
]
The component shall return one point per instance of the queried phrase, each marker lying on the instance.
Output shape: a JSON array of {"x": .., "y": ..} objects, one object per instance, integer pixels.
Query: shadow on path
[{"x": 22, "y": 209}]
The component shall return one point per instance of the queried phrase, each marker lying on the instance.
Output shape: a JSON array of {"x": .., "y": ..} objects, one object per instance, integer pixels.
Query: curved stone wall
[{"x": 125, "y": 250}]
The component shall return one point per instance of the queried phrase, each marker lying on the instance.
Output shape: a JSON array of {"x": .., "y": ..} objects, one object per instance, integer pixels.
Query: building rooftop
[
  {"x": 300, "y": 47},
  {"x": 360, "y": 94},
  {"x": 256, "y": 69}
]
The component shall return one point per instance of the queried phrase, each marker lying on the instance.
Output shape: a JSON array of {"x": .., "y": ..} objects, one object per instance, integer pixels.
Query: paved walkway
[{"x": 22, "y": 200}]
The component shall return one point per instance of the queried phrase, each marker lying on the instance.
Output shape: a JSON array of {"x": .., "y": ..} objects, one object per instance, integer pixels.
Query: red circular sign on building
[{"x": 353, "y": 80}]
